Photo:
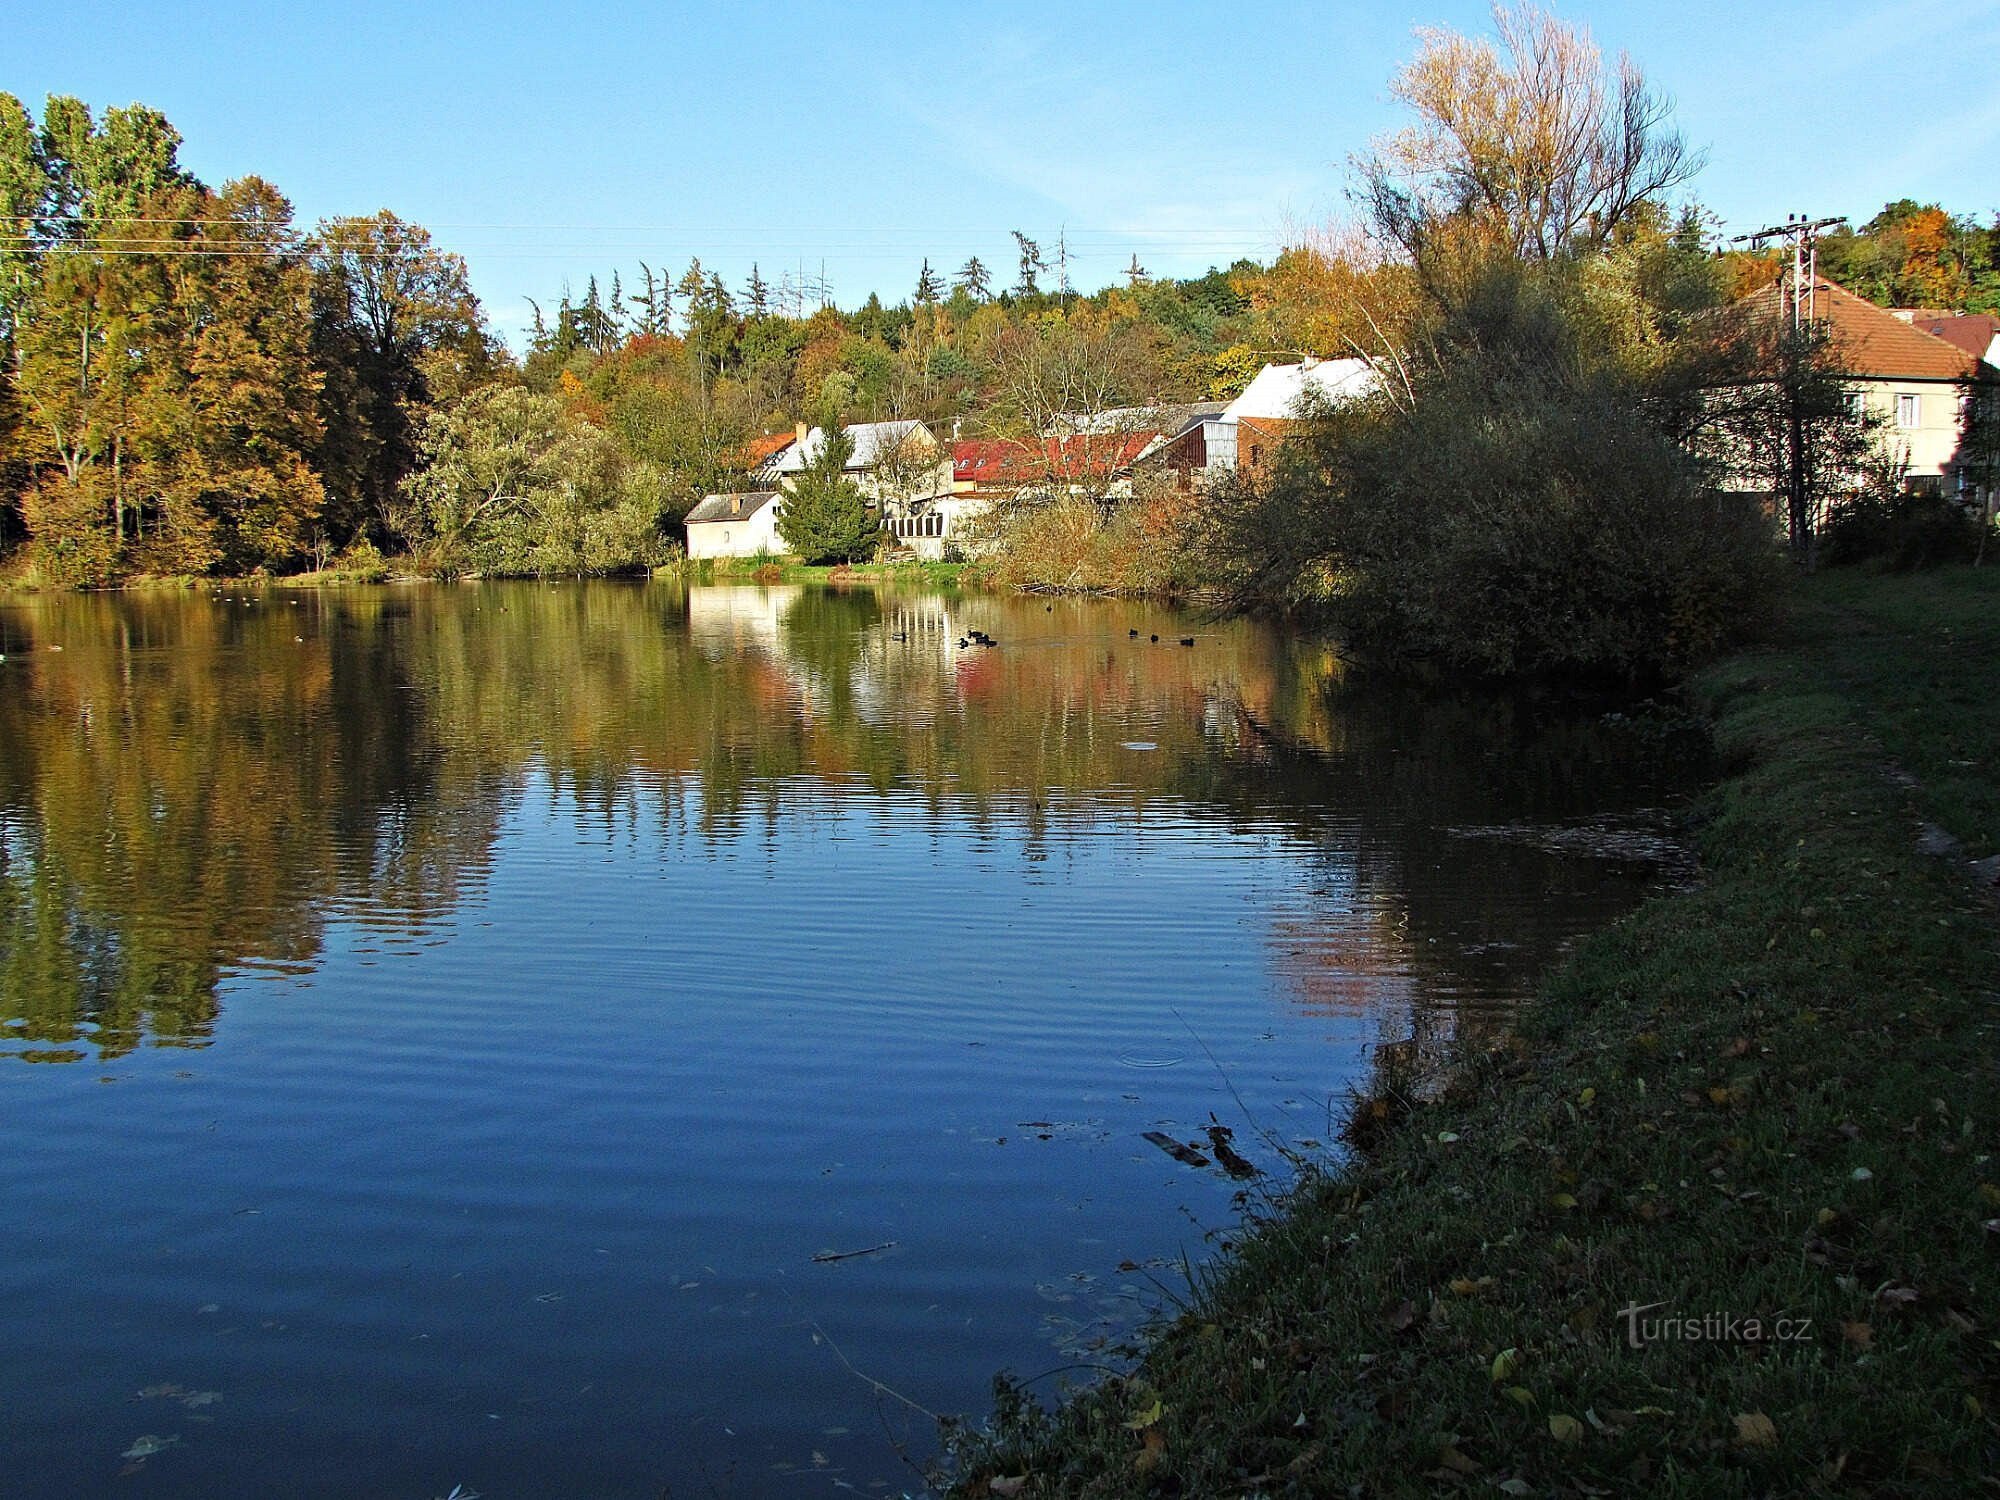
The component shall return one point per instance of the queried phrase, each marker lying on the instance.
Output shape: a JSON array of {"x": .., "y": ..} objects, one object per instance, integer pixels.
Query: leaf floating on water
[{"x": 148, "y": 1445}]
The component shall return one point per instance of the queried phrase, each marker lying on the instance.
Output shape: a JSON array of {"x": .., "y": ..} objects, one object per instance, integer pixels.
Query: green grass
[
  {"x": 790, "y": 570},
  {"x": 1774, "y": 1096}
]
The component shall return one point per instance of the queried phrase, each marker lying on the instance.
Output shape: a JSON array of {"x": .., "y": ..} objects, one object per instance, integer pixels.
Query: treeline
[
  {"x": 193, "y": 384},
  {"x": 190, "y": 383}
]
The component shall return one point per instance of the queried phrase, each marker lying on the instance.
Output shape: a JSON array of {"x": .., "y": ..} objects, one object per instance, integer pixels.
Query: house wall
[
  {"x": 1932, "y": 442},
  {"x": 744, "y": 536},
  {"x": 944, "y": 523}
]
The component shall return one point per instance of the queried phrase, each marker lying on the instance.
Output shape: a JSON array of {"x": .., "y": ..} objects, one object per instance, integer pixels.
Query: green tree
[
  {"x": 825, "y": 517},
  {"x": 396, "y": 329},
  {"x": 514, "y": 482}
]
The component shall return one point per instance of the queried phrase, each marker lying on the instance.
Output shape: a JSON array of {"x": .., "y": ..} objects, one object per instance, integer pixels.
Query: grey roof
[
  {"x": 1170, "y": 418},
  {"x": 873, "y": 442},
  {"x": 730, "y": 507}
]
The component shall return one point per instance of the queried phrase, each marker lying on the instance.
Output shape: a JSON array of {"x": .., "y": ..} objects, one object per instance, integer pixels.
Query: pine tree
[
  {"x": 825, "y": 517},
  {"x": 975, "y": 280},
  {"x": 655, "y": 304},
  {"x": 1032, "y": 263},
  {"x": 757, "y": 293},
  {"x": 1135, "y": 273},
  {"x": 929, "y": 288}
]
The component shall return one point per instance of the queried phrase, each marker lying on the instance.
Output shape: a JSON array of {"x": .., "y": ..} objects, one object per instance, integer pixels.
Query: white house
[
  {"x": 1250, "y": 429},
  {"x": 742, "y": 525}
]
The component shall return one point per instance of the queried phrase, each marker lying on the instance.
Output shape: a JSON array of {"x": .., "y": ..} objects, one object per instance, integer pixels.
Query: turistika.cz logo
[{"x": 1709, "y": 1327}]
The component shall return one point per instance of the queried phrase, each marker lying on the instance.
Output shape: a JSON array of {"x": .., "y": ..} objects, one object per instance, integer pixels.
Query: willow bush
[{"x": 1517, "y": 500}]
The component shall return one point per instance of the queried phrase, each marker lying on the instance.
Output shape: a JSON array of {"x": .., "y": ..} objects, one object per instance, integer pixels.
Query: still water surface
[{"x": 439, "y": 1027}]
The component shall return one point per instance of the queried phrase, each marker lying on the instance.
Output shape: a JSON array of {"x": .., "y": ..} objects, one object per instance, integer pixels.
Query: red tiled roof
[
  {"x": 760, "y": 448},
  {"x": 1873, "y": 342},
  {"x": 1014, "y": 461},
  {"x": 1972, "y": 332}
]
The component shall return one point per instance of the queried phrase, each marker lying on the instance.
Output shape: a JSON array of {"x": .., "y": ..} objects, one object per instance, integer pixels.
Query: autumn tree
[{"x": 1531, "y": 149}]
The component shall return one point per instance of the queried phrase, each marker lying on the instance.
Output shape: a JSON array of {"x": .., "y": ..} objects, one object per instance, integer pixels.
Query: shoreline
[{"x": 1716, "y": 1217}]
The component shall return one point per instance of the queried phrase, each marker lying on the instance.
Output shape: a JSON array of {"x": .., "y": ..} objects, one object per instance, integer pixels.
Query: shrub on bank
[
  {"x": 1141, "y": 546},
  {"x": 1903, "y": 531},
  {"x": 1515, "y": 501}
]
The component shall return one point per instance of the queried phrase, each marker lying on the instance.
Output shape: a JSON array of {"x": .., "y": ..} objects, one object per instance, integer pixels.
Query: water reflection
[
  {"x": 573, "y": 964},
  {"x": 193, "y": 785}
]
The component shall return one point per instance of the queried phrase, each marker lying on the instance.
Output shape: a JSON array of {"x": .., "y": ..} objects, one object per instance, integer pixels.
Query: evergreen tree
[
  {"x": 975, "y": 280},
  {"x": 655, "y": 304},
  {"x": 757, "y": 293},
  {"x": 929, "y": 288},
  {"x": 825, "y": 517},
  {"x": 1032, "y": 263}
]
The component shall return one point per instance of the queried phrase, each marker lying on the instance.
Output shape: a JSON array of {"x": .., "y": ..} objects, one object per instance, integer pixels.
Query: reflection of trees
[{"x": 189, "y": 786}]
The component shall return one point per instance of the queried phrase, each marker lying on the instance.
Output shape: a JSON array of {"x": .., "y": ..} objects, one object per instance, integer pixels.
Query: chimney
[{"x": 798, "y": 432}]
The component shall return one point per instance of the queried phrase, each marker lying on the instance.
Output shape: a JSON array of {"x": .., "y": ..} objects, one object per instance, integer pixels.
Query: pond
[{"x": 616, "y": 1039}]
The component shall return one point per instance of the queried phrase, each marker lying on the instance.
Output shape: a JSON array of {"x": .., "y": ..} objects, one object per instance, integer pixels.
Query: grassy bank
[
  {"x": 1771, "y": 1099},
  {"x": 790, "y": 570}
]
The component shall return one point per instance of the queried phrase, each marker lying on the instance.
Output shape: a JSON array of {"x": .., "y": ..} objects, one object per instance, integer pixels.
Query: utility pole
[{"x": 1803, "y": 236}]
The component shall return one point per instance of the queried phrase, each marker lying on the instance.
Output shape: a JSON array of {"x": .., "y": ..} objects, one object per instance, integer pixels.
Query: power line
[{"x": 1802, "y": 234}]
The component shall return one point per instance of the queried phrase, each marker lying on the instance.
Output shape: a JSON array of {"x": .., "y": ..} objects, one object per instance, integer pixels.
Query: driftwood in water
[{"x": 1187, "y": 1156}]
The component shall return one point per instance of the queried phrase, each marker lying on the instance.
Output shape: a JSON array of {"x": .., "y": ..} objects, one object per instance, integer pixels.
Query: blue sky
[{"x": 548, "y": 144}]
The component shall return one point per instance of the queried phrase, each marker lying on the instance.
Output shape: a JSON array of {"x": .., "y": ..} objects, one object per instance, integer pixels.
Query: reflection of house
[
  {"x": 741, "y": 525},
  {"x": 1912, "y": 379},
  {"x": 734, "y": 619}
]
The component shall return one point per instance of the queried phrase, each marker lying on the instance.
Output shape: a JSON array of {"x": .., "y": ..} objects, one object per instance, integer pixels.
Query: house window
[{"x": 1908, "y": 409}]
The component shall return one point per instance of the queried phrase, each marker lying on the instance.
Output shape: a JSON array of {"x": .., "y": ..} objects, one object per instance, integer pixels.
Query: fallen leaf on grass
[
  {"x": 1755, "y": 1430},
  {"x": 1145, "y": 1418},
  {"x": 1564, "y": 1428},
  {"x": 1450, "y": 1458},
  {"x": 1505, "y": 1363},
  {"x": 1399, "y": 1317},
  {"x": 1858, "y": 1334},
  {"x": 1156, "y": 1449}
]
